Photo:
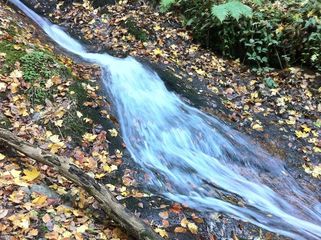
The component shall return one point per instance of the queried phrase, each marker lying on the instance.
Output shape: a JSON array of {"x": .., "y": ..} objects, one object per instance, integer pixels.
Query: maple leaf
[
  {"x": 301, "y": 134},
  {"x": 89, "y": 137},
  {"x": 31, "y": 175},
  {"x": 158, "y": 52},
  {"x": 113, "y": 132}
]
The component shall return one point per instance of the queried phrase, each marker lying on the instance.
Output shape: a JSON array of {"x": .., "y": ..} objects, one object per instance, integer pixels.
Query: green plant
[
  {"x": 166, "y": 4},
  {"x": 234, "y": 8},
  {"x": 275, "y": 34},
  {"x": 38, "y": 66}
]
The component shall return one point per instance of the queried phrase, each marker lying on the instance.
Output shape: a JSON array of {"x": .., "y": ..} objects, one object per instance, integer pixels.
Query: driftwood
[{"x": 116, "y": 211}]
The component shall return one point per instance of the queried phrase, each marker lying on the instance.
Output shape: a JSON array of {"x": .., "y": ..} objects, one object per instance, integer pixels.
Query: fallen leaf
[
  {"x": 31, "y": 175},
  {"x": 192, "y": 227},
  {"x": 161, "y": 232}
]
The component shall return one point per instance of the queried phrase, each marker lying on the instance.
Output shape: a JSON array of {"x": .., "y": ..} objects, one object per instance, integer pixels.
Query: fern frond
[
  {"x": 234, "y": 8},
  {"x": 166, "y": 4}
]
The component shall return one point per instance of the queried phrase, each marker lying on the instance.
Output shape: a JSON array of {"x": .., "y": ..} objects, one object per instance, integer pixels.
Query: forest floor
[{"x": 56, "y": 103}]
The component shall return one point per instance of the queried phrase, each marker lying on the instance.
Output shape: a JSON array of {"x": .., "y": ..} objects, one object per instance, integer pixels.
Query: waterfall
[{"x": 194, "y": 158}]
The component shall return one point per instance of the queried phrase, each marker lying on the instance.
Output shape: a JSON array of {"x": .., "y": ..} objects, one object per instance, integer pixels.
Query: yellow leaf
[
  {"x": 200, "y": 72},
  {"x": 39, "y": 200},
  {"x": 2, "y": 156},
  {"x": 31, "y": 175},
  {"x": 184, "y": 222},
  {"x": 54, "y": 147},
  {"x": 58, "y": 123},
  {"x": 317, "y": 149},
  {"x": 300, "y": 134},
  {"x": 20, "y": 220},
  {"x": 257, "y": 127},
  {"x": 89, "y": 137},
  {"x": 113, "y": 132},
  {"x": 54, "y": 139},
  {"x": 161, "y": 232},
  {"x": 192, "y": 227},
  {"x": 158, "y": 52},
  {"x": 306, "y": 128}
]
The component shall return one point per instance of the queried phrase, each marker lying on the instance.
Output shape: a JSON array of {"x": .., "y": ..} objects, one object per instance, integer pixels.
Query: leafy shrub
[{"x": 263, "y": 33}]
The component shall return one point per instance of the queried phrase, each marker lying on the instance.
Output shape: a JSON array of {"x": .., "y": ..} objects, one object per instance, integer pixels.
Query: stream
[{"x": 194, "y": 158}]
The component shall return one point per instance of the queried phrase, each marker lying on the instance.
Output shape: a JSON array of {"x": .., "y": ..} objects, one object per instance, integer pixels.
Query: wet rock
[
  {"x": 41, "y": 6},
  {"x": 41, "y": 189}
]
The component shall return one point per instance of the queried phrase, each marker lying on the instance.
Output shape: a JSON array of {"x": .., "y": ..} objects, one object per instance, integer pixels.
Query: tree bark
[{"x": 116, "y": 211}]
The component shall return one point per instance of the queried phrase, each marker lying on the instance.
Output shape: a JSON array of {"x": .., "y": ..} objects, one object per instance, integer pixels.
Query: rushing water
[{"x": 194, "y": 158}]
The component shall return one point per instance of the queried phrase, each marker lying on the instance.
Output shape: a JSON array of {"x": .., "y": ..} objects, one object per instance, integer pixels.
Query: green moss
[
  {"x": 12, "y": 56},
  {"x": 38, "y": 67},
  {"x": 74, "y": 126},
  {"x": 135, "y": 30},
  {"x": 4, "y": 121}
]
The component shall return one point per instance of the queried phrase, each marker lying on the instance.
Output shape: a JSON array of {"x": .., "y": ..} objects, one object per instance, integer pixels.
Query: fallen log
[{"x": 116, "y": 211}]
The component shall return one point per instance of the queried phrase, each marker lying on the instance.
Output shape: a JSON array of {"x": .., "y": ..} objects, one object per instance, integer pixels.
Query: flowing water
[{"x": 194, "y": 158}]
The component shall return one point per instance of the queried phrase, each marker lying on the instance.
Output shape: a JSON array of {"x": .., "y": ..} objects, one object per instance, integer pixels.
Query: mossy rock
[{"x": 139, "y": 33}]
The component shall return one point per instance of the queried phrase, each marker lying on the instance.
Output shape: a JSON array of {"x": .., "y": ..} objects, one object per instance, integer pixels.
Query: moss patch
[
  {"x": 135, "y": 30},
  {"x": 12, "y": 55}
]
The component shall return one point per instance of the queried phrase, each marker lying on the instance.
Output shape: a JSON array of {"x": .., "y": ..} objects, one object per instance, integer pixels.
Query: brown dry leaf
[
  {"x": 184, "y": 222},
  {"x": 33, "y": 232},
  {"x": 17, "y": 196},
  {"x": 20, "y": 221},
  {"x": 180, "y": 230},
  {"x": 163, "y": 215},
  {"x": 46, "y": 218}
]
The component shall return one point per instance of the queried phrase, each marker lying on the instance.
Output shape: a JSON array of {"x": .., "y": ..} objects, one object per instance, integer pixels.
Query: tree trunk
[{"x": 128, "y": 221}]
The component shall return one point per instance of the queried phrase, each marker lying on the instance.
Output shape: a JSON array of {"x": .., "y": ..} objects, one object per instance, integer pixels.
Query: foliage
[
  {"x": 37, "y": 68},
  {"x": 263, "y": 33},
  {"x": 166, "y": 4},
  {"x": 234, "y": 8},
  {"x": 12, "y": 54},
  {"x": 37, "y": 65}
]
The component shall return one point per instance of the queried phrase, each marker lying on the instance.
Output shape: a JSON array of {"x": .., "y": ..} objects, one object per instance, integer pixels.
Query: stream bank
[{"x": 213, "y": 109}]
